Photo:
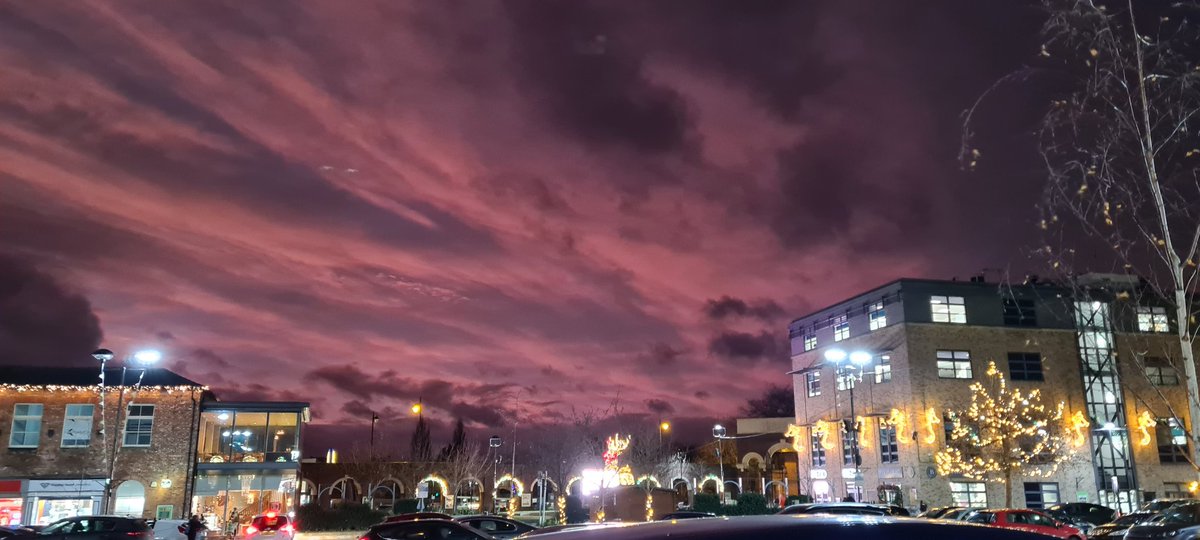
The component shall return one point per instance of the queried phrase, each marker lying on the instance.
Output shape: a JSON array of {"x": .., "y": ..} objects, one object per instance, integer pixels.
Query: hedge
[{"x": 344, "y": 517}]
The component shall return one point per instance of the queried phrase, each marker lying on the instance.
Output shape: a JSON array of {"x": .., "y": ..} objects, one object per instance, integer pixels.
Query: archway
[
  {"x": 683, "y": 491},
  {"x": 551, "y": 487},
  {"x": 131, "y": 499},
  {"x": 776, "y": 493},
  {"x": 342, "y": 489},
  {"x": 571, "y": 485},
  {"x": 710, "y": 485},
  {"x": 385, "y": 494},
  {"x": 438, "y": 490},
  {"x": 469, "y": 495}
]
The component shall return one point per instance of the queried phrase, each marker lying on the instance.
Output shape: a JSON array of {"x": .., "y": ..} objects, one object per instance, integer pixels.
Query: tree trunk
[{"x": 1008, "y": 489}]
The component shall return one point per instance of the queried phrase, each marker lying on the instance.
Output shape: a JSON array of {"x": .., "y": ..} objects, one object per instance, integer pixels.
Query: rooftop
[{"x": 84, "y": 376}]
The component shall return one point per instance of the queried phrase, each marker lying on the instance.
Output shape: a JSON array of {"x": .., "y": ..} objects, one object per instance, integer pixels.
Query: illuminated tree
[{"x": 1004, "y": 433}]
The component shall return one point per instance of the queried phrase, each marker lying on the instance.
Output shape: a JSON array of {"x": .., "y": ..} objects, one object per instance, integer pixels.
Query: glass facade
[
  {"x": 228, "y": 500},
  {"x": 249, "y": 437}
]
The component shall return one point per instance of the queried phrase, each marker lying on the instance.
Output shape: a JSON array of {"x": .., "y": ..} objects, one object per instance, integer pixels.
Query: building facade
[{"x": 1098, "y": 346}]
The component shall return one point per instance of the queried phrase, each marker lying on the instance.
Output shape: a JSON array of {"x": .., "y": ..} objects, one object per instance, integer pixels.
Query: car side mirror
[{"x": 1058, "y": 524}]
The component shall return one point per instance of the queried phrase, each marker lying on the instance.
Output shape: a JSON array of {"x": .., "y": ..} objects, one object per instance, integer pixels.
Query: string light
[
  {"x": 797, "y": 435},
  {"x": 932, "y": 421},
  {"x": 562, "y": 510},
  {"x": 513, "y": 505},
  {"x": 508, "y": 477},
  {"x": 899, "y": 421},
  {"x": 1146, "y": 421},
  {"x": 649, "y": 507},
  {"x": 1078, "y": 425},
  {"x": 441, "y": 482},
  {"x": 23, "y": 388},
  {"x": 650, "y": 478},
  {"x": 864, "y": 438},
  {"x": 821, "y": 430}
]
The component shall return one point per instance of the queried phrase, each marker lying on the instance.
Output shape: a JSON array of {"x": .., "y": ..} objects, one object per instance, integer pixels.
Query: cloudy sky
[{"x": 480, "y": 204}]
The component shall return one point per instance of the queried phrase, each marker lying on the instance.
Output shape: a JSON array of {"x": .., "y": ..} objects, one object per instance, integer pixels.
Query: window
[
  {"x": 1172, "y": 441},
  {"x": 810, "y": 342},
  {"x": 954, "y": 364},
  {"x": 841, "y": 328},
  {"x": 1039, "y": 495},
  {"x": 1161, "y": 372},
  {"x": 969, "y": 494},
  {"x": 139, "y": 425},
  {"x": 812, "y": 382},
  {"x": 77, "y": 426},
  {"x": 849, "y": 441},
  {"x": 1152, "y": 319},
  {"x": 948, "y": 425},
  {"x": 26, "y": 425},
  {"x": 846, "y": 378},
  {"x": 818, "y": 451},
  {"x": 1019, "y": 312},
  {"x": 889, "y": 450},
  {"x": 883, "y": 370},
  {"x": 948, "y": 309},
  {"x": 1025, "y": 367},
  {"x": 1176, "y": 490},
  {"x": 877, "y": 316}
]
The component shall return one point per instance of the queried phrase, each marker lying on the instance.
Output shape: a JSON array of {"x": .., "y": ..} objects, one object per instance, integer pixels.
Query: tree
[
  {"x": 466, "y": 464},
  {"x": 457, "y": 442},
  {"x": 776, "y": 402},
  {"x": 420, "y": 446},
  {"x": 1122, "y": 156},
  {"x": 1005, "y": 432}
]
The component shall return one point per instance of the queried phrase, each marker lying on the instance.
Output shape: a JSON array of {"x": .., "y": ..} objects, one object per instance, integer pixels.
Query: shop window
[
  {"x": 282, "y": 443},
  {"x": 77, "y": 425},
  {"x": 1161, "y": 372},
  {"x": 968, "y": 494},
  {"x": 1025, "y": 367},
  {"x": 1176, "y": 490},
  {"x": 876, "y": 316},
  {"x": 130, "y": 499},
  {"x": 883, "y": 370},
  {"x": 889, "y": 450},
  {"x": 139, "y": 425},
  {"x": 249, "y": 438},
  {"x": 810, "y": 342},
  {"x": 1039, "y": 495},
  {"x": 954, "y": 364},
  {"x": 1172, "y": 441},
  {"x": 1019, "y": 312},
  {"x": 812, "y": 382},
  {"x": 1152, "y": 319},
  {"x": 948, "y": 309},
  {"x": 841, "y": 328},
  {"x": 26, "y": 425},
  {"x": 818, "y": 451}
]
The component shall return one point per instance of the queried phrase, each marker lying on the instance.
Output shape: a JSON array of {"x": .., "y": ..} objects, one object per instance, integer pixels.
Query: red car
[{"x": 1026, "y": 520}]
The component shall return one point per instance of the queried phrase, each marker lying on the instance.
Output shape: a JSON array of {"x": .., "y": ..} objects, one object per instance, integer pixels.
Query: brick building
[
  {"x": 1092, "y": 346},
  {"x": 62, "y": 435}
]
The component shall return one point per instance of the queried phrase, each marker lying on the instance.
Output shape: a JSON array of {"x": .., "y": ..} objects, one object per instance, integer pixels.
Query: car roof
[
  {"x": 790, "y": 526},
  {"x": 415, "y": 520},
  {"x": 483, "y": 516}
]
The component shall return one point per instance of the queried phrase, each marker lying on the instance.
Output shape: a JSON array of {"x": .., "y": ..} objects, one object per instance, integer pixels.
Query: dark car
[
  {"x": 1119, "y": 526},
  {"x": 1179, "y": 522},
  {"x": 792, "y": 527},
  {"x": 957, "y": 514},
  {"x": 686, "y": 515},
  {"x": 569, "y": 526},
  {"x": 1158, "y": 505},
  {"x": 423, "y": 529},
  {"x": 9, "y": 532},
  {"x": 845, "y": 508},
  {"x": 417, "y": 515},
  {"x": 937, "y": 513},
  {"x": 496, "y": 526},
  {"x": 1076, "y": 512},
  {"x": 97, "y": 528}
]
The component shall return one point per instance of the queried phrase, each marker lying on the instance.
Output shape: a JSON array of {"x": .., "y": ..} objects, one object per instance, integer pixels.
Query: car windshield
[
  {"x": 1130, "y": 519},
  {"x": 1187, "y": 514},
  {"x": 269, "y": 522}
]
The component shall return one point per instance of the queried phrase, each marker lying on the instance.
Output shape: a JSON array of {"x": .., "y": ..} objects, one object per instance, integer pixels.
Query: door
[
  {"x": 58, "y": 530},
  {"x": 1018, "y": 520}
]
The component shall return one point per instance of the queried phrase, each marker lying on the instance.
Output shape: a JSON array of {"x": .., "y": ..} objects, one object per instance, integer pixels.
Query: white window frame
[
  {"x": 883, "y": 370},
  {"x": 83, "y": 422},
  {"x": 1153, "y": 319},
  {"x": 876, "y": 316},
  {"x": 948, "y": 309},
  {"x": 954, "y": 364},
  {"x": 810, "y": 342},
  {"x": 129, "y": 417},
  {"x": 812, "y": 383},
  {"x": 969, "y": 494},
  {"x": 34, "y": 420},
  {"x": 841, "y": 328}
]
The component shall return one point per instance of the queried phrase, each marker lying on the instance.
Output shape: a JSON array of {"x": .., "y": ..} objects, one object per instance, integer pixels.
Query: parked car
[
  {"x": 1158, "y": 505},
  {"x": 1023, "y": 519},
  {"x": 569, "y": 526},
  {"x": 937, "y": 513},
  {"x": 843, "y": 508},
  {"x": 97, "y": 528},
  {"x": 417, "y": 515},
  {"x": 1082, "y": 512},
  {"x": 9, "y": 532},
  {"x": 423, "y": 529},
  {"x": 1118, "y": 527},
  {"x": 958, "y": 514},
  {"x": 270, "y": 525},
  {"x": 1178, "y": 522},
  {"x": 686, "y": 514},
  {"x": 498, "y": 527}
]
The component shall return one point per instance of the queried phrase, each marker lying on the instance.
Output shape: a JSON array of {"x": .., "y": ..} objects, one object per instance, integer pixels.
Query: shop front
[
  {"x": 12, "y": 502},
  {"x": 47, "y": 501},
  {"x": 229, "y": 499}
]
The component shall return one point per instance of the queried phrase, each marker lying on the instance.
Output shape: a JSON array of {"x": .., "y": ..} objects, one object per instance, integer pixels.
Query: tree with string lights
[{"x": 1005, "y": 433}]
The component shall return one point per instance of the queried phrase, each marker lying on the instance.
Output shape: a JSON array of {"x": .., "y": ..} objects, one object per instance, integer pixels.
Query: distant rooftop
[{"x": 82, "y": 376}]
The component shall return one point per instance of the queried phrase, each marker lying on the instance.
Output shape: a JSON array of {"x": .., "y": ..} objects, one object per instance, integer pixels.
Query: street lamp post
[
  {"x": 494, "y": 443},
  {"x": 144, "y": 359},
  {"x": 860, "y": 359},
  {"x": 719, "y": 434},
  {"x": 663, "y": 427}
]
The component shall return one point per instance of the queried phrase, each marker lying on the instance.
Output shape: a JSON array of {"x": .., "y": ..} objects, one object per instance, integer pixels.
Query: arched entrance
[
  {"x": 385, "y": 494},
  {"x": 130, "y": 499},
  {"x": 469, "y": 495}
]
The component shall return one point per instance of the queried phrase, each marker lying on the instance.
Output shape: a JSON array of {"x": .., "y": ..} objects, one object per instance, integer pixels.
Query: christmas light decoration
[
  {"x": 516, "y": 483},
  {"x": 441, "y": 482},
  {"x": 1146, "y": 422},
  {"x": 649, "y": 478},
  {"x": 864, "y": 432},
  {"x": 1005, "y": 433},
  {"x": 716, "y": 480},
  {"x": 821, "y": 430},
  {"x": 514, "y": 504},
  {"x": 613, "y": 449},
  {"x": 562, "y": 510},
  {"x": 899, "y": 420},
  {"x": 1078, "y": 426},
  {"x": 649, "y": 507},
  {"x": 796, "y": 433},
  {"x": 932, "y": 421},
  {"x": 94, "y": 389},
  {"x": 571, "y": 482}
]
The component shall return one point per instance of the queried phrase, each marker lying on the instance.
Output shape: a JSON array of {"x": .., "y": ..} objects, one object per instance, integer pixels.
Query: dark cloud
[
  {"x": 259, "y": 392},
  {"x": 659, "y": 406},
  {"x": 727, "y": 306},
  {"x": 742, "y": 347},
  {"x": 701, "y": 394},
  {"x": 41, "y": 321},
  {"x": 490, "y": 409}
]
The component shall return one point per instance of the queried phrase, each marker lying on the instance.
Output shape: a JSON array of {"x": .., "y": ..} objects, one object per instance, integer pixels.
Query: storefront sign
[
  {"x": 818, "y": 474},
  {"x": 10, "y": 488},
  {"x": 891, "y": 472},
  {"x": 52, "y": 487}
]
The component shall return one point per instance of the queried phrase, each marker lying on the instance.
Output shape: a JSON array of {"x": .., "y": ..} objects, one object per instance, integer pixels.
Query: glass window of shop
[
  {"x": 249, "y": 437},
  {"x": 227, "y": 501},
  {"x": 10, "y": 510}
]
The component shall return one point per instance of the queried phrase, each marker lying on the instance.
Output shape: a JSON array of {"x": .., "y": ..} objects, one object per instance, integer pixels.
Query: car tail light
[
  {"x": 271, "y": 514},
  {"x": 251, "y": 529}
]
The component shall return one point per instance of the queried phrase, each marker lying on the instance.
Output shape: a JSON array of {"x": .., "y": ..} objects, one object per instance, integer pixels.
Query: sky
[{"x": 510, "y": 211}]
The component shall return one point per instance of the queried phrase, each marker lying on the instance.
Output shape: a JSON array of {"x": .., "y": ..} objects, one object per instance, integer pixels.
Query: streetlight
[
  {"x": 718, "y": 434},
  {"x": 142, "y": 361},
  {"x": 663, "y": 427},
  {"x": 494, "y": 443},
  {"x": 860, "y": 359}
]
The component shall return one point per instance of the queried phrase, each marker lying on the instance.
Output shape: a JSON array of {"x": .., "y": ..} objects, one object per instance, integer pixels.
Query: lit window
[
  {"x": 818, "y": 451},
  {"x": 841, "y": 328},
  {"x": 846, "y": 377},
  {"x": 1172, "y": 441},
  {"x": 1040, "y": 495},
  {"x": 954, "y": 364},
  {"x": 26, "y": 425},
  {"x": 877, "y": 316},
  {"x": 77, "y": 426},
  {"x": 1025, "y": 367},
  {"x": 883, "y": 370},
  {"x": 1152, "y": 319},
  {"x": 1019, "y": 312},
  {"x": 810, "y": 342},
  {"x": 812, "y": 382},
  {"x": 889, "y": 449},
  {"x": 1161, "y": 372},
  {"x": 968, "y": 494},
  {"x": 948, "y": 309},
  {"x": 139, "y": 425}
]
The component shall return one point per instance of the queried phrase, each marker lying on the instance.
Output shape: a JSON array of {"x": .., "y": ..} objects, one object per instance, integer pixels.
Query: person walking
[{"x": 194, "y": 527}]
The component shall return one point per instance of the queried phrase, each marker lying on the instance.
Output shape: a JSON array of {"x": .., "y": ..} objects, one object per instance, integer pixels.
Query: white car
[{"x": 272, "y": 526}]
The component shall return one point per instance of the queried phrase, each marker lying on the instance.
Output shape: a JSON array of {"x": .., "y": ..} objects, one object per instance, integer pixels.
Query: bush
[
  {"x": 751, "y": 504},
  {"x": 706, "y": 502},
  {"x": 575, "y": 511},
  {"x": 405, "y": 506},
  {"x": 344, "y": 517},
  {"x": 797, "y": 499}
]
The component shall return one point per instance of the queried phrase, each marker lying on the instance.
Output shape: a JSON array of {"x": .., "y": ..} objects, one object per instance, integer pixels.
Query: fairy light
[
  {"x": 648, "y": 478},
  {"x": 1145, "y": 423},
  {"x": 822, "y": 429},
  {"x": 796, "y": 433},
  {"x": 1078, "y": 425},
  {"x": 562, "y": 510},
  {"x": 513, "y": 505},
  {"x": 932, "y": 421},
  {"x": 506, "y": 478},
  {"x": 94, "y": 389},
  {"x": 649, "y": 507},
  {"x": 441, "y": 482},
  {"x": 899, "y": 420},
  {"x": 864, "y": 429}
]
